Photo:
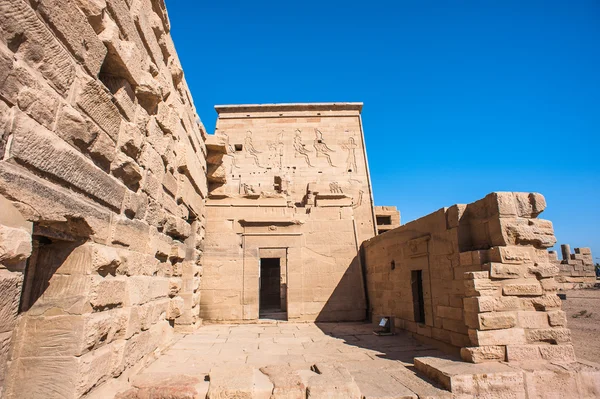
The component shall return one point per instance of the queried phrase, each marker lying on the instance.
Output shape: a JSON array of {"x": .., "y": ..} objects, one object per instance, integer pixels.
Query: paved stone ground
[{"x": 386, "y": 361}]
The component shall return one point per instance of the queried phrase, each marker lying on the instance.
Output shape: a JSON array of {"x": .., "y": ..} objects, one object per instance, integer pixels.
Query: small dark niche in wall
[
  {"x": 238, "y": 147},
  {"x": 393, "y": 265}
]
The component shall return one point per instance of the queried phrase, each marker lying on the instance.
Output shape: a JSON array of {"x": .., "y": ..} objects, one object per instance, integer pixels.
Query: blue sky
[{"x": 461, "y": 98}]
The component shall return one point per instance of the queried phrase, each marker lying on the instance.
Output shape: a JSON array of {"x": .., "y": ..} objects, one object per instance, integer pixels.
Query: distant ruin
[
  {"x": 576, "y": 270},
  {"x": 123, "y": 223}
]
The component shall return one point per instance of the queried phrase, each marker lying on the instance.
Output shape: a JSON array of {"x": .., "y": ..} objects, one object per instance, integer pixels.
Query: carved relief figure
[
  {"x": 300, "y": 148},
  {"x": 250, "y": 150},
  {"x": 334, "y": 187},
  {"x": 351, "y": 146},
  {"x": 321, "y": 147},
  {"x": 277, "y": 149},
  {"x": 230, "y": 152},
  {"x": 359, "y": 201}
]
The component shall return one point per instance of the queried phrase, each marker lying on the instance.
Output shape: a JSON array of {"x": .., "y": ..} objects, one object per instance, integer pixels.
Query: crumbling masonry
[{"x": 122, "y": 222}]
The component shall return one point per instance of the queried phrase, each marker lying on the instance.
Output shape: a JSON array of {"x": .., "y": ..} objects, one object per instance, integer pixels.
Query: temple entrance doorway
[{"x": 270, "y": 290}]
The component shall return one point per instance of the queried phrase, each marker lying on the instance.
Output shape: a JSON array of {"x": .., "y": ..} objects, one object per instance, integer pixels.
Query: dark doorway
[
  {"x": 416, "y": 280},
  {"x": 270, "y": 285}
]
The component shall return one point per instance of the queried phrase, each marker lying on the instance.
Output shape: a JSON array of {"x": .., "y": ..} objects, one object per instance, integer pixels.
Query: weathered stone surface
[
  {"x": 332, "y": 381},
  {"x": 287, "y": 384},
  {"x": 15, "y": 245},
  {"x": 75, "y": 32},
  {"x": 11, "y": 284},
  {"x": 28, "y": 36},
  {"x": 480, "y": 354},
  {"x": 96, "y": 102},
  {"x": 124, "y": 58},
  {"x": 497, "y": 337},
  {"x": 36, "y": 146},
  {"x": 127, "y": 170}
]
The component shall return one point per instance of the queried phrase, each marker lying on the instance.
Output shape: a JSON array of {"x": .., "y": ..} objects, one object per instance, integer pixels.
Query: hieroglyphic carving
[
  {"x": 300, "y": 148},
  {"x": 351, "y": 146},
  {"x": 250, "y": 150},
  {"x": 277, "y": 149},
  {"x": 321, "y": 147},
  {"x": 334, "y": 187}
]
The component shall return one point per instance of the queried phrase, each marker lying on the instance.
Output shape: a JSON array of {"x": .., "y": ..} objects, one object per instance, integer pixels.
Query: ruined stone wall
[
  {"x": 292, "y": 177},
  {"x": 575, "y": 270},
  {"x": 488, "y": 284},
  {"x": 103, "y": 153}
]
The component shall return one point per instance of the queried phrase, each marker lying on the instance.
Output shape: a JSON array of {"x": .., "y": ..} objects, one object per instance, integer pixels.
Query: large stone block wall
[
  {"x": 103, "y": 155},
  {"x": 576, "y": 270},
  {"x": 488, "y": 283},
  {"x": 292, "y": 177}
]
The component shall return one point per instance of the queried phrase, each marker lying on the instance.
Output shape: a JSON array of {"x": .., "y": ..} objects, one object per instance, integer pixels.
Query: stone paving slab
[{"x": 315, "y": 358}]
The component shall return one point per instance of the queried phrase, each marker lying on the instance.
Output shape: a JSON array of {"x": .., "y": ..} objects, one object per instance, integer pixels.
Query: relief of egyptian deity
[
  {"x": 230, "y": 152},
  {"x": 276, "y": 148},
  {"x": 351, "y": 146},
  {"x": 300, "y": 148},
  {"x": 321, "y": 147},
  {"x": 250, "y": 150}
]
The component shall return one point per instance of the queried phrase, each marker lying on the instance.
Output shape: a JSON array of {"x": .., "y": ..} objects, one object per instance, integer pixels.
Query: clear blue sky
[{"x": 461, "y": 98}]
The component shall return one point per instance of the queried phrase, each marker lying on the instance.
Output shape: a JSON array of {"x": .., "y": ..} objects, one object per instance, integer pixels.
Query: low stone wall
[
  {"x": 575, "y": 270},
  {"x": 103, "y": 155},
  {"x": 487, "y": 282}
]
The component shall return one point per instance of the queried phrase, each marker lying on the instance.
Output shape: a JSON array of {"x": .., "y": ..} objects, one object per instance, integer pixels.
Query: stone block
[
  {"x": 123, "y": 59},
  {"x": 42, "y": 200},
  {"x": 73, "y": 128},
  {"x": 522, "y": 288},
  {"x": 497, "y": 320},
  {"x": 143, "y": 289},
  {"x": 108, "y": 292},
  {"x": 11, "y": 284},
  {"x": 38, "y": 147},
  {"x": 558, "y": 353},
  {"x": 480, "y": 354},
  {"x": 544, "y": 302},
  {"x": 75, "y": 32},
  {"x": 532, "y": 319},
  {"x": 133, "y": 234},
  {"x": 510, "y": 336},
  {"x": 96, "y": 102},
  {"x": 332, "y": 381},
  {"x": 549, "y": 335},
  {"x": 544, "y": 270},
  {"x": 287, "y": 383},
  {"x": 36, "y": 44},
  {"x": 102, "y": 150},
  {"x": 15, "y": 244},
  {"x": 120, "y": 13},
  {"x": 127, "y": 170},
  {"x": 523, "y": 353},
  {"x": 557, "y": 318},
  {"x": 513, "y": 254},
  {"x": 490, "y": 304},
  {"x": 504, "y": 271}
]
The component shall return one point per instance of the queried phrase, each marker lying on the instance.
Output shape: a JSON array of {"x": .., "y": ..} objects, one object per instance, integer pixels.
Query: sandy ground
[{"x": 583, "y": 318}]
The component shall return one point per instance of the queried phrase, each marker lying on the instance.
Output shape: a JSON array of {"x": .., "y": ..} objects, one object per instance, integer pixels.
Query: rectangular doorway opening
[
  {"x": 416, "y": 280},
  {"x": 270, "y": 289}
]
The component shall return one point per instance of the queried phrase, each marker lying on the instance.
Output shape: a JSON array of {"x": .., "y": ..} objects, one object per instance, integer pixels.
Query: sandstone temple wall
[
  {"x": 386, "y": 218},
  {"x": 487, "y": 281},
  {"x": 102, "y": 186},
  {"x": 292, "y": 178}
]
